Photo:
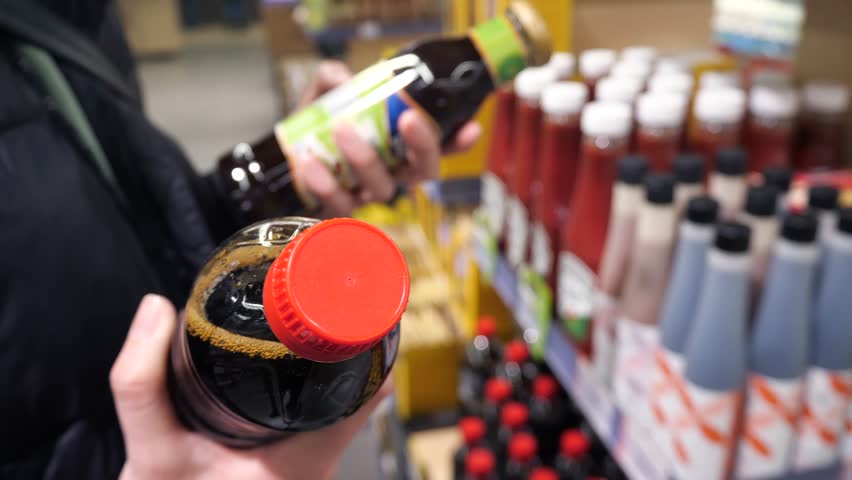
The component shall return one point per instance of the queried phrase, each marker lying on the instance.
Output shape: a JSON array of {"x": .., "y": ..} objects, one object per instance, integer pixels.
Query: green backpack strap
[{"x": 54, "y": 84}]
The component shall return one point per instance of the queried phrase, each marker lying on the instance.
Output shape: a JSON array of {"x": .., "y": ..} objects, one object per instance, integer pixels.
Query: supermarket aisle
[{"x": 218, "y": 91}]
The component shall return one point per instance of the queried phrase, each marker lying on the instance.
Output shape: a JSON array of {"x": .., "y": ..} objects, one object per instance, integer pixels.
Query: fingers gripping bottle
[{"x": 292, "y": 325}]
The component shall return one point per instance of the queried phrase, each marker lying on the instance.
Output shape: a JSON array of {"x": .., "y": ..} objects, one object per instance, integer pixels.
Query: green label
[
  {"x": 538, "y": 301},
  {"x": 501, "y": 47}
]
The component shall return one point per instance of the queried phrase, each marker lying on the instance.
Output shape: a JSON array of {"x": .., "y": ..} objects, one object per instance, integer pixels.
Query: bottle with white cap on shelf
[
  {"x": 595, "y": 64},
  {"x": 778, "y": 356},
  {"x": 559, "y": 152},
  {"x": 823, "y": 200},
  {"x": 769, "y": 130},
  {"x": 495, "y": 178},
  {"x": 822, "y": 141},
  {"x": 606, "y": 131},
  {"x": 673, "y": 82},
  {"x": 563, "y": 64},
  {"x": 705, "y": 437},
  {"x": 632, "y": 69},
  {"x": 728, "y": 182},
  {"x": 618, "y": 89},
  {"x": 660, "y": 118},
  {"x": 671, "y": 65},
  {"x": 639, "y": 53},
  {"x": 689, "y": 179},
  {"x": 718, "y": 79},
  {"x": 695, "y": 235},
  {"x": 529, "y": 85},
  {"x": 760, "y": 215},
  {"x": 829, "y": 377},
  {"x": 718, "y": 118}
]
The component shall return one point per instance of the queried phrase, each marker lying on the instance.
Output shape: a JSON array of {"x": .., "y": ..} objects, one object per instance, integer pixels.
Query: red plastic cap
[
  {"x": 545, "y": 386},
  {"x": 517, "y": 351},
  {"x": 574, "y": 444},
  {"x": 522, "y": 447},
  {"x": 543, "y": 473},
  {"x": 472, "y": 430},
  {"x": 498, "y": 390},
  {"x": 336, "y": 290},
  {"x": 514, "y": 415},
  {"x": 479, "y": 461},
  {"x": 486, "y": 326}
]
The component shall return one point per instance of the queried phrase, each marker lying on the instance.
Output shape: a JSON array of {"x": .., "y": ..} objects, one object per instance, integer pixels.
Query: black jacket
[{"x": 74, "y": 264}]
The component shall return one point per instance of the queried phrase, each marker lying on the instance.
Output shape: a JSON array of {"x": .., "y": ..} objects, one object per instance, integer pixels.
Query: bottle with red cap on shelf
[
  {"x": 498, "y": 391},
  {"x": 514, "y": 418},
  {"x": 481, "y": 357},
  {"x": 543, "y": 473},
  {"x": 480, "y": 464},
  {"x": 518, "y": 368},
  {"x": 473, "y": 436},
  {"x": 549, "y": 414},
  {"x": 572, "y": 461},
  {"x": 522, "y": 459}
]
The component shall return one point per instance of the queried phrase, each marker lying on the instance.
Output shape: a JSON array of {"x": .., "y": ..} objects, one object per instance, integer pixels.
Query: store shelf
[{"x": 627, "y": 443}]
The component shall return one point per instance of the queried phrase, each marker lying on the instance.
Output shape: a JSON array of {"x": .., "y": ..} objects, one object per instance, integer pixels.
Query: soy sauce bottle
[
  {"x": 291, "y": 325},
  {"x": 447, "y": 79}
]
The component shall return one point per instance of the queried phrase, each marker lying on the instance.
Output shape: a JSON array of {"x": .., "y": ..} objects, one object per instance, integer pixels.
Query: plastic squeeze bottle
[
  {"x": 779, "y": 353},
  {"x": 759, "y": 215},
  {"x": 695, "y": 236},
  {"x": 770, "y": 126},
  {"x": 728, "y": 183},
  {"x": 626, "y": 200},
  {"x": 718, "y": 114},
  {"x": 689, "y": 179},
  {"x": 780, "y": 178},
  {"x": 716, "y": 365},
  {"x": 495, "y": 179},
  {"x": 660, "y": 118},
  {"x": 563, "y": 64},
  {"x": 618, "y": 89},
  {"x": 828, "y": 382},
  {"x": 822, "y": 199},
  {"x": 595, "y": 64}
]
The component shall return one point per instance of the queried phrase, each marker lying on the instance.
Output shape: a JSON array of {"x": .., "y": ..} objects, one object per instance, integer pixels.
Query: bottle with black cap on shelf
[
  {"x": 760, "y": 216},
  {"x": 728, "y": 182},
  {"x": 780, "y": 178},
  {"x": 689, "y": 178},
  {"x": 481, "y": 356},
  {"x": 473, "y": 432},
  {"x": 522, "y": 458},
  {"x": 822, "y": 199}
]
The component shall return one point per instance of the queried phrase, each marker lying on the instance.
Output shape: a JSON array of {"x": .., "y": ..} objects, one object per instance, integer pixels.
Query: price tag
[
  {"x": 759, "y": 28},
  {"x": 576, "y": 293},
  {"x": 534, "y": 307},
  {"x": 594, "y": 400}
]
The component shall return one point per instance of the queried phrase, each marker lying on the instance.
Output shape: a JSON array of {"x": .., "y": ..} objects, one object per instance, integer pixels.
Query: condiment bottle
[
  {"x": 651, "y": 253},
  {"x": 595, "y": 64},
  {"x": 704, "y": 440},
  {"x": 292, "y": 325},
  {"x": 671, "y": 65},
  {"x": 822, "y": 139},
  {"x": 560, "y": 150},
  {"x": 639, "y": 53},
  {"x": 822, "y": 199},
  {"x": 525, "y": 157},
  {"x": 445, "y": 79},
  {"x": 563, "y": 64},
  {"x": 778, "y": 355},
  {"x": 718, "y": 116},
  {"x": 497, "y": 175},
  {"x": 770, "y": 126},
  {"x": 689, "y": 179},
  {"x": 680, "y": 83},
  {"x": 760, "y": 216},
  {"x": 660, "y": 119},
  {"x": 695, "y": 236},
  {"x": 829, "y": 377},
  {"x": 728, "y": 183},
  {"x": 716, "y": 79},
  {"x": 627, "y": 197},
  {"x": 780, "y": 178},
  {"x": 618, "y": 89}
]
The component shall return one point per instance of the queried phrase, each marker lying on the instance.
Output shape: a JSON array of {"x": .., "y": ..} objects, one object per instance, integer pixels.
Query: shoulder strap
[
  {"x": 56, "y": 87},
  {"x": 35, "y": 25}
]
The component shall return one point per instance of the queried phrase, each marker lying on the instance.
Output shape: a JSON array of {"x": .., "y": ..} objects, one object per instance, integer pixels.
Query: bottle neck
[{"x": 656, "y": 224}]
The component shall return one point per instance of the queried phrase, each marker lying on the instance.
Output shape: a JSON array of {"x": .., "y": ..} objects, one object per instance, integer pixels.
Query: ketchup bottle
[
  {"x": 529, "y": 86},
  {"x": 499, "y": 169},
  {"x": 595, "y": 64},
  {"x": 680, "y": 83},
  {"x": 560, "y": 149},
  {"x": 822, "y": 141},
  {"x": 473, "y": 432},
  {"x": 619, "y": 89},
  {"x": 716, "y": 79},
  {"x": 639, "y": 54},
  {"x": 718, "y": 117},
  {"x": 769, "y": 130},
  {"x": 292, "y": 325},
  {"x": 562, "y": 63},
  {"x": 480, "y": 464},
  {"x": 632, "y": 68},
  {"x": 522, "y": 457},
  {"x": 660, "y": 119}
]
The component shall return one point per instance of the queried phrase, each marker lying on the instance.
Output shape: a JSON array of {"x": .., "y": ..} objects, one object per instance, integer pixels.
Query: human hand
[
  {"x": 158, "y": 446},
  {"x": 376, "y": 184}
]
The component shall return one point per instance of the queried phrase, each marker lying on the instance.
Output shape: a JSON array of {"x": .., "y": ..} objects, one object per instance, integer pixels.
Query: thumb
[{"x": 138, "y": 377}]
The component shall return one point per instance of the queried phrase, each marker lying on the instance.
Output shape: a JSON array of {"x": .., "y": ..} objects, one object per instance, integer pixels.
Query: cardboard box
[{"x": 284, "y": 36}]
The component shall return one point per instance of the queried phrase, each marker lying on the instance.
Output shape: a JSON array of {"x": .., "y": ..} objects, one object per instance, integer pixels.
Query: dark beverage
[
  {"x": 498, "y": 391},
  {"x": 446, "y": 78},
  {"x": 548, "y": 415},
  {"x": 518, "y": 368},
  {"x": 480, "y": 464},
  {"x": 290, "y": 327},
  {"x": 543, "y": 473},
  {"x": 481, "y": 357},
  {"x": 522, "y": 457},
  {"x": 473, "y": 435},
  {"x": 513, "y": 419},
  {"x": 572, "y": 461}
]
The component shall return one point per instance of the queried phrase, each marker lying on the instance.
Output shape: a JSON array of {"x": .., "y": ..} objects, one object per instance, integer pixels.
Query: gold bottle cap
[{"x": 535, "y": 30}]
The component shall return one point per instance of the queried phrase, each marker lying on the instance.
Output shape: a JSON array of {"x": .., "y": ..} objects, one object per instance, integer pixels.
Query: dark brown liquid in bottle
[{"x": 260, "y": 391}]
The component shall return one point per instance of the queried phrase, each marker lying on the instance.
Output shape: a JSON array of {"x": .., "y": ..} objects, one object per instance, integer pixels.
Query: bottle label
[
  {"x": 517, "y": 232},
  {"x": 485, "y": 245},
  {"x": 703, "y": 438},
  {"x": 823, "y": 421},
  {"x": 493, "y": 202},
  {"x": 540, "y": 251},
  {"x": 372, "y": 102},
  {"x": 501, "y": 47},
  {"x": 771, "y": 414},
  {"x": 666, "y": 394},
  {"x": 535, "y": 305},
  {"x": 575, "y": 295}
]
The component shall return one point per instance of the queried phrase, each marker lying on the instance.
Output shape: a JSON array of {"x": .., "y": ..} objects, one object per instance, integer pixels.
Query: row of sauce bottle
[{"x": 519, "y": 424}]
